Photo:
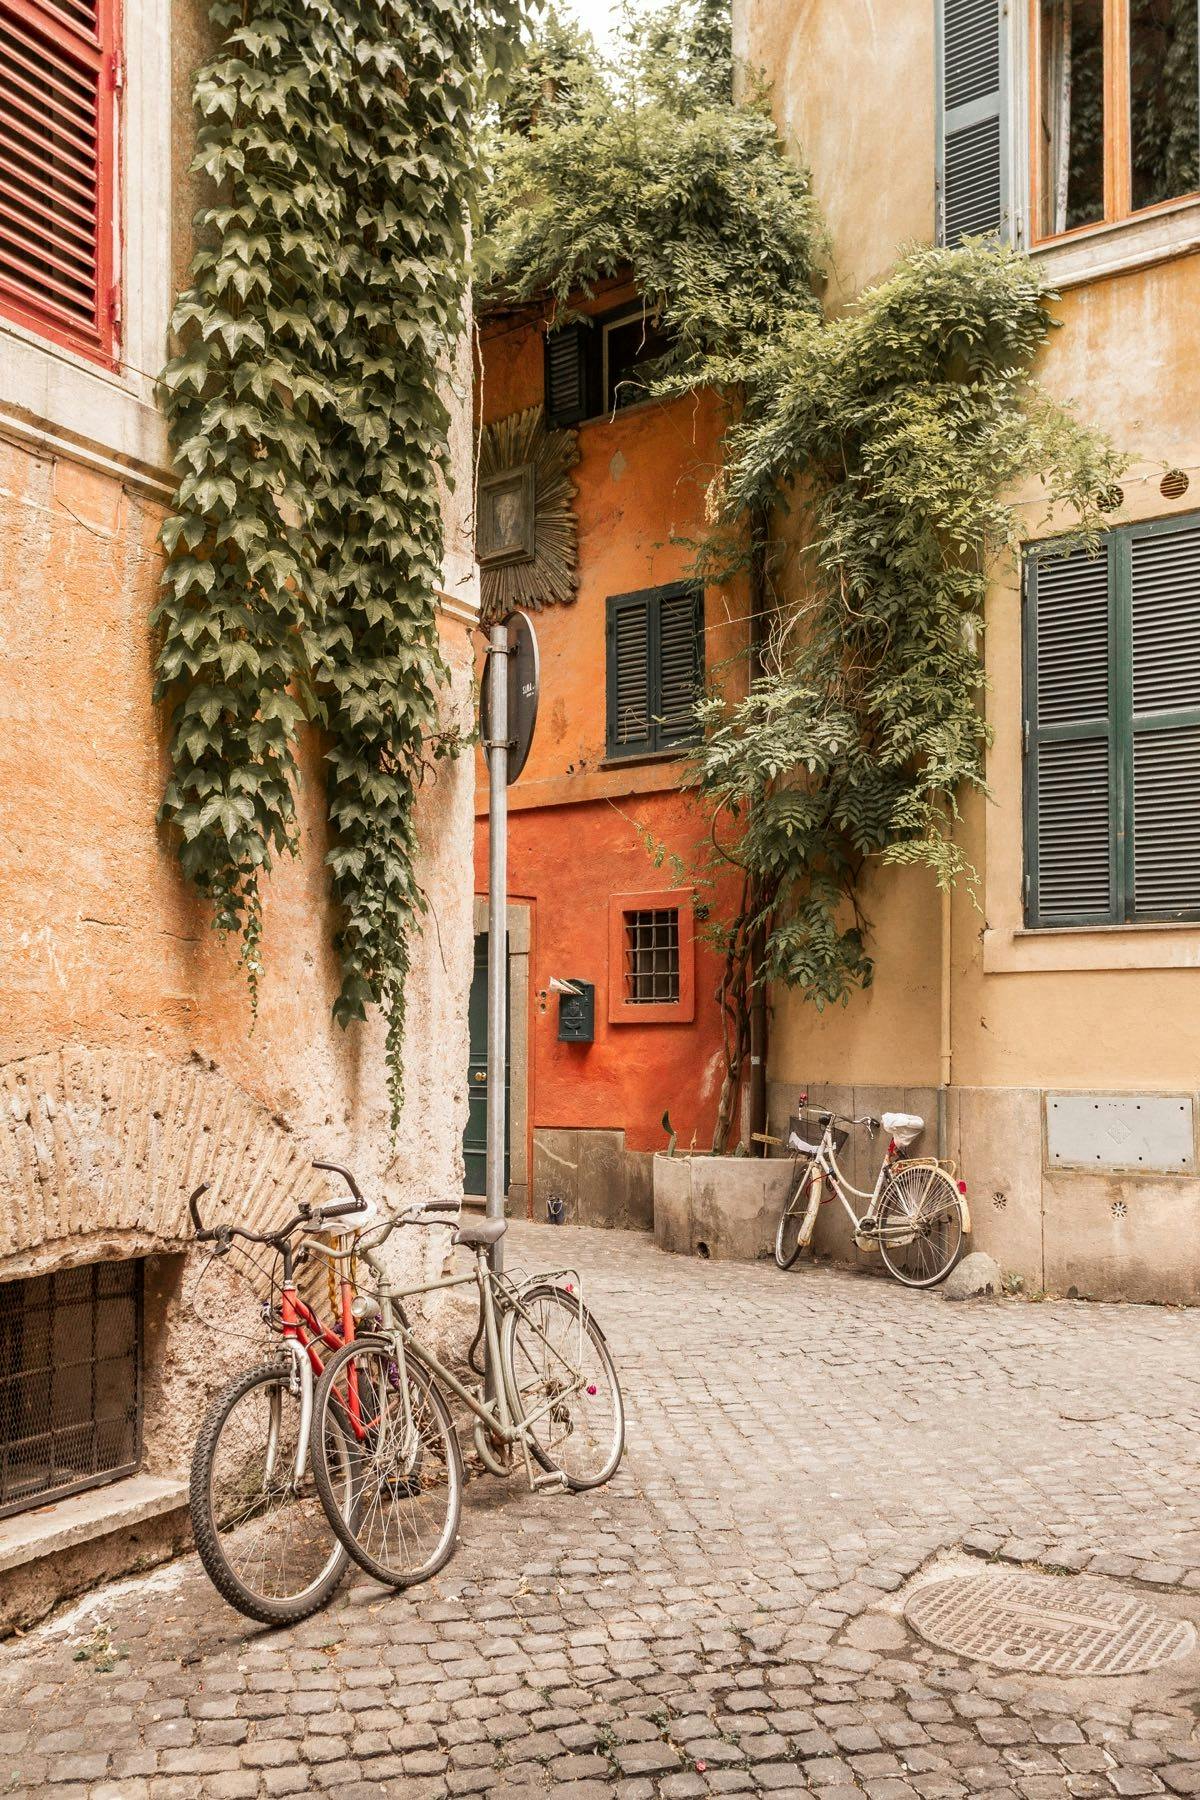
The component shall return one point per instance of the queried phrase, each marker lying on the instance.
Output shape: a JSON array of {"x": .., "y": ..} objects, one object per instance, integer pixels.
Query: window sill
[
  {"x": 81, "y": 1518},
  {"x": 1047, "y": 949},
  {"x": 1113, "y": 249},
  {"x": 648, "y": 756}
]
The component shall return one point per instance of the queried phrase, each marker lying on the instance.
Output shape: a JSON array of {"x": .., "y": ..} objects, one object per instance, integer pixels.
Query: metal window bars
[
  {"x": 652, "y": 957},
  {"x": 70, "y": 1381}
]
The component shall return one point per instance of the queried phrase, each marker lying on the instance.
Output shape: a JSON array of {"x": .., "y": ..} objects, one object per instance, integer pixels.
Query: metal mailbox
[{"x": 577, "y": 1014}]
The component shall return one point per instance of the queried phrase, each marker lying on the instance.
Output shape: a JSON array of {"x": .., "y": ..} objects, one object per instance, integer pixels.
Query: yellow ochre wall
[{"x": 1110, "y": 1011}]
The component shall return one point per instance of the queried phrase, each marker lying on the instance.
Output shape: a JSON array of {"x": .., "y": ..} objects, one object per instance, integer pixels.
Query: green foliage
[
  {"x": 896, "y": 432},
  {"x": 902, "y": 430},
  {"x": 306, "y": 417},
  {"x": 648, "y": 166}
]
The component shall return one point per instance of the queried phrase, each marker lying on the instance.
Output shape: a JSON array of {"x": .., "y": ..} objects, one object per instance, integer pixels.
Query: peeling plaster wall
[{"x": 130, "y": 1066}]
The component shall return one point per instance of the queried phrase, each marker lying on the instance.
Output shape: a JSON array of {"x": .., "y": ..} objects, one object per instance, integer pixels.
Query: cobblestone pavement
[{"x": 725, "y": 1617}]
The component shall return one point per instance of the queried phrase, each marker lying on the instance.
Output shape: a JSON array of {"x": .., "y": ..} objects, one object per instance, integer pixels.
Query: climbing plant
[
  {"x": 896, "y": 433},
  {"x": 306, "y": 413}
]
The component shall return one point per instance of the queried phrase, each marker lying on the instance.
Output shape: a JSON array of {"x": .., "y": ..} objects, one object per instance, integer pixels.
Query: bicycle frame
[
  {"x": 304, "y": 1337},
  {"x": 492, "y": 1412}
]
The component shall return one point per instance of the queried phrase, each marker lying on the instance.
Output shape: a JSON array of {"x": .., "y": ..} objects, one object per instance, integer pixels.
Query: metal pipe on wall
[{"x": 497, "y": 758}]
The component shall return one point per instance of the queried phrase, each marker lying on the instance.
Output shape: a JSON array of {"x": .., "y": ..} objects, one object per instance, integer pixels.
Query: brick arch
[{"x": 100, "y": 1148}]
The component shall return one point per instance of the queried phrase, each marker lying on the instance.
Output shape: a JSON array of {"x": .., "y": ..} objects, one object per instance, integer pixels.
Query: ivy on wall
[{"x": 308, "y": 423}]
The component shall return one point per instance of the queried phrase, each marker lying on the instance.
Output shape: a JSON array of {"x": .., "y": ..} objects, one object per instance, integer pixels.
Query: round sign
[{"x": 524, "y": 683}]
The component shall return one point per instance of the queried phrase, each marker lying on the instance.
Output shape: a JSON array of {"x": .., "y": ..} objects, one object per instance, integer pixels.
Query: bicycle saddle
[{"x": 481, "y": 1234}]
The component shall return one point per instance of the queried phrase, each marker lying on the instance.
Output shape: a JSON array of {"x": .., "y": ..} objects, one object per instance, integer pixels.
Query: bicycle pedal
[{"x": 554, "y": 1479}]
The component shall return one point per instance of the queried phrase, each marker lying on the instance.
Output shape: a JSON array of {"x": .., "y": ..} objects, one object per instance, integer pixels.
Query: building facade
[
  {"x": 1047, "y": 1028},
  {"x": 605, "y": 843},
  {"x": 128, "y": 1068}
]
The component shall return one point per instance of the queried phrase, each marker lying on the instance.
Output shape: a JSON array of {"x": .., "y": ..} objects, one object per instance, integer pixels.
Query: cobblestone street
[{"x": 726, "y": 1616}]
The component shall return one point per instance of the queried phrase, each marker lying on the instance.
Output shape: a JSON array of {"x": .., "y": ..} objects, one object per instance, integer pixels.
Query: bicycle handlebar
[
  {"x": 826, "y": 1116},
  {"x": 333, "y": 1168}
]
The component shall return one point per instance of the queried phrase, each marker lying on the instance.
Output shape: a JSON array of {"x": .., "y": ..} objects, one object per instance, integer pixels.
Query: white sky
[{"x": 599, "y": 16}]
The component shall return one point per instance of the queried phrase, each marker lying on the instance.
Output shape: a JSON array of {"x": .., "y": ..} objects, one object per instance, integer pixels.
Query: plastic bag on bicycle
[
  {"x": 903, "y": 1128},
  {"x": 797, "y": 1143}
]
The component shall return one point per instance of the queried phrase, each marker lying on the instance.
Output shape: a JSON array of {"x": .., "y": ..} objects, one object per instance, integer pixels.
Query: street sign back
[{"x": 524, "y": 683}]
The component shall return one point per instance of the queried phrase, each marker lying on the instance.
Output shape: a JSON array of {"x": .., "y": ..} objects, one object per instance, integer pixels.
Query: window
[
  {"x": 593, "y": 367},
  {"x": 655, "y": 655},
  {"x": 1116, "y": 119},
  {"x": 651, "y": 974},
  {"x": 59, "y": 75},
  {"x": 70, "y": 1381},
  {"x": 1112, "y": 729},
  {"x": 651, "y": 958}
]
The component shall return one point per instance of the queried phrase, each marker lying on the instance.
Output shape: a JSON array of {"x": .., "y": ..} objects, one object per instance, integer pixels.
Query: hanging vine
[{"x": 307, "y": 418}]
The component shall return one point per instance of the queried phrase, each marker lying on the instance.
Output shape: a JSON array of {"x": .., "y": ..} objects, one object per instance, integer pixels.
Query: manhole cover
[{"x": 1047, "y": 1624}]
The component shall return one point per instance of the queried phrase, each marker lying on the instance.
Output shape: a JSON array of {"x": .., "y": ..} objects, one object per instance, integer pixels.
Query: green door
[{"x": 475, "y": 1135}]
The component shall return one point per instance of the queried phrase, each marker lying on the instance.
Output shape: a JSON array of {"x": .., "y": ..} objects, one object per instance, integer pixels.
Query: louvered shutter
[
  {"x": 58, "y": 81},
  {"x": 680, "y": 665},
  {"x": 630, "y": 727},
  {"x": 1164, "y": 586},
  {"x": 566, "y": 375},
  {"x": 972, "y": 163},
  {"x": 1070, "y": 842}
]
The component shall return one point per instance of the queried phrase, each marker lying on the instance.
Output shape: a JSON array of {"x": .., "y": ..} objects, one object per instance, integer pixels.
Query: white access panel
[{"x": 1151, "y": 1132}]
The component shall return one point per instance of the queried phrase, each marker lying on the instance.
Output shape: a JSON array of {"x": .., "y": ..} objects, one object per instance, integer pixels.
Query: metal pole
[{"x": 497, "y": 1044}]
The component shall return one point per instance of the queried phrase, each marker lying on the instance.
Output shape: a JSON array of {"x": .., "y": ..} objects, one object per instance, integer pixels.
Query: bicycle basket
[{"x": 801, "y": 1133}]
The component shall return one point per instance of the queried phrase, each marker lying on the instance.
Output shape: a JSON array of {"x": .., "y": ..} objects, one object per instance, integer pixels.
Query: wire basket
[{"x": 803, "y": 1126}]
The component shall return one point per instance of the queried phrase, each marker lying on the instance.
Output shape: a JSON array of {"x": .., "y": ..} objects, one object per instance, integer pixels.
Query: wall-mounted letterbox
[{"x": 577, "y": 1014}]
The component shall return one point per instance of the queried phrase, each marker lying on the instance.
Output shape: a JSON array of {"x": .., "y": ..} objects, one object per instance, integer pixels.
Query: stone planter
[{"x": 720, "y": 1206}]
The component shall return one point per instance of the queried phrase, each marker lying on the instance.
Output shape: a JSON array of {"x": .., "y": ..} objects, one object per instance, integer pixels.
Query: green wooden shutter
[
  {"x": 972, "y": 161},
  {"x": 566, "y": 375},
  {"x": 1072, "y": 778},
  {"x": 680, "y": 665},
  {"x": 629, "y": 648},
  {"x": 1164, "y": 676}
]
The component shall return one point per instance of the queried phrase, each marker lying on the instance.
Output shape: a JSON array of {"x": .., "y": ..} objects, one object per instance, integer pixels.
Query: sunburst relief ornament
[{"x": 525, "y": 526}]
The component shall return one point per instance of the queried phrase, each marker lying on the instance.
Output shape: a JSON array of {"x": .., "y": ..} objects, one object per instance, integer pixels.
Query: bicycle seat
[{"x": 481, "y": 1234}]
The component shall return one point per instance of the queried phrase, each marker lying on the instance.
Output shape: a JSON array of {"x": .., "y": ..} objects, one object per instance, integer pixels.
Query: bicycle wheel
[
  {"x": 920, "y": 1224},
  {"x": 402, "y": 1518},
  {"x": 791, "y": 1221},
  {"x": 265, "y": 1543},
  {"x": 562, "y": 1385}
]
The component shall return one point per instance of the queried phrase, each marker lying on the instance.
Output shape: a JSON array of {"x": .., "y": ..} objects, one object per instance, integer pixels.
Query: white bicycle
[{"x": 916, "y": 1215}]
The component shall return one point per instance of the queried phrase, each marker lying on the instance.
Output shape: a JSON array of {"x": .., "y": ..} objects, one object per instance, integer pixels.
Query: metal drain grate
[{"x": 1047, "y": 1624}]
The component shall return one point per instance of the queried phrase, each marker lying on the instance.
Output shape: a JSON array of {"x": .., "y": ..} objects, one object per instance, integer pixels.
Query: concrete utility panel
[
  {"x": 1121, "y": 1131},
  {"x": 1047, "y": 1624}
]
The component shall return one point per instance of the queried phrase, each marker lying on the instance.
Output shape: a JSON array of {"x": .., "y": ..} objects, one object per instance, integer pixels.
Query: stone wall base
[
  {"x": 1098, "y": 1235},
  {"x": 598, "y": 1180}
]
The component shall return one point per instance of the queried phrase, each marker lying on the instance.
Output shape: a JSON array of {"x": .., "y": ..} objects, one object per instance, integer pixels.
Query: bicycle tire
[
  {"x": 357, "y": 1532},
  {"x": 548, "y": 1453},
  {"x": 791, "y": 1219},
  {"x": 213, "y": 1536},
  {"x": 926, "y": 1195}
]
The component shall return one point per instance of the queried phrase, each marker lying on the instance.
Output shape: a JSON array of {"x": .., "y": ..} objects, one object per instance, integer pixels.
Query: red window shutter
[{"x": 58, "y": 103}]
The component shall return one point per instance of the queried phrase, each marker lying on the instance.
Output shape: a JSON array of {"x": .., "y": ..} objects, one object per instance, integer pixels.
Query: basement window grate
[
  {"x": 70, "y": 1381},
  {"x": 652, "y": 957}
]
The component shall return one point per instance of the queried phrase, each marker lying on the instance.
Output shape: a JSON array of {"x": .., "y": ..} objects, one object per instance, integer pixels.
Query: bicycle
[
  {"x": 260, "y": 1529},
  {"x": 549, "y": 1392},
  {"x": 916, "y": 1214}
]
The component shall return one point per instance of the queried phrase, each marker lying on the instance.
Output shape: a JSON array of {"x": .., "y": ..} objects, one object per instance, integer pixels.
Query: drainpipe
[
  {"x": 945, "y": 1055},
  {"x": 758, "y": 999}
]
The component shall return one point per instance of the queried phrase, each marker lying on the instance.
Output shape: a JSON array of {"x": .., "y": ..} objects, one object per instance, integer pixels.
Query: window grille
[
  {"x": 652, "y": 957},
  {"x": 70, "y": 1381}
]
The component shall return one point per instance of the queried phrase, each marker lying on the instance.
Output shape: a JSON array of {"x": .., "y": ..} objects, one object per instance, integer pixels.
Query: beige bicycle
[{"x": 916, "y": 1215}]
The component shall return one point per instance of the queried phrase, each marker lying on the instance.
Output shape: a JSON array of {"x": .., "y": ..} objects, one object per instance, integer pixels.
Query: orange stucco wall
[{"x": 579, "y": 828}]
